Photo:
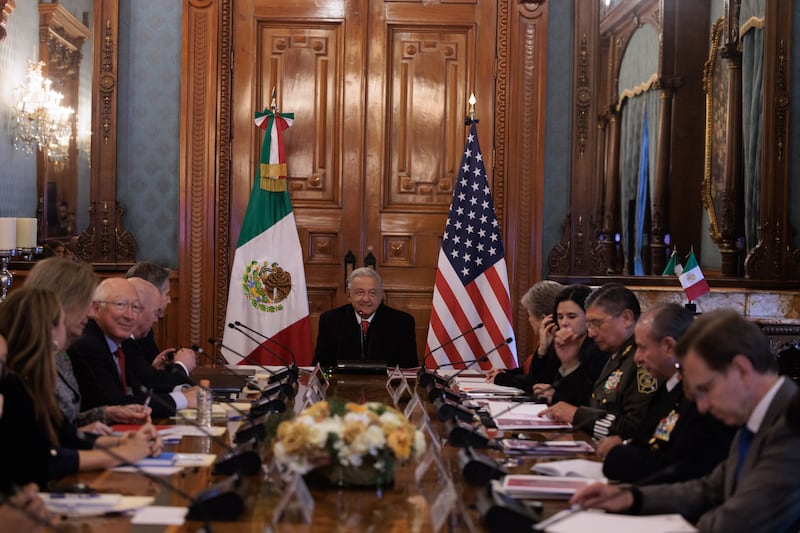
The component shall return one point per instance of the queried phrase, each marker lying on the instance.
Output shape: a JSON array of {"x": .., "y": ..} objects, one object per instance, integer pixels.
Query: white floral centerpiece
[{"x": 347, "y": 444}]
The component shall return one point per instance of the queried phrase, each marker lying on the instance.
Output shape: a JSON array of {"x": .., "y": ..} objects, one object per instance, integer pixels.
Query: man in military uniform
[
  {"x": 624, "y": 390},
  {"x": 676, "y": 442}
]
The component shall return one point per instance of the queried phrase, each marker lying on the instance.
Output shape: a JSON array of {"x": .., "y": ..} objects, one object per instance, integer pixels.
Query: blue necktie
[{"x": 745, "y": 440}]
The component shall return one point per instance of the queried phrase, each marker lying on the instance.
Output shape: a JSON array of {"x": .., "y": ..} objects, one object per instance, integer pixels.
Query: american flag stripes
[{"x": 471, "y": 280}]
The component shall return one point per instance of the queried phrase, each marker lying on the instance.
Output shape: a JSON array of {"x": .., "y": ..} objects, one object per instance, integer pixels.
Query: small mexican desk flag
[
  {"x": 268, "y": 284},
  {"x": 692, "y": 279}
]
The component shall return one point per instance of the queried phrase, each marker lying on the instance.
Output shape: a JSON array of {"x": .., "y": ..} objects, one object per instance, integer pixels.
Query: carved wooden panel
[
  {"x": 303, "y": 63},
  {"x": 426, "y": 103},
  {"x": 398, "y": 250}
]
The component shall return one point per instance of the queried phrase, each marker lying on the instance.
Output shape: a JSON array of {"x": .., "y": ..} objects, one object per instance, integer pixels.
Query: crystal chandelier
[{"x": 40, "y": 118}]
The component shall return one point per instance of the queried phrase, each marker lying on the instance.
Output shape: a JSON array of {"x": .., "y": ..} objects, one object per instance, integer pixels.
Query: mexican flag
[
  {"x": 267, "y": 291},
  {"x": 673, "y": 267},
  {"x": 692, "y": 279}
]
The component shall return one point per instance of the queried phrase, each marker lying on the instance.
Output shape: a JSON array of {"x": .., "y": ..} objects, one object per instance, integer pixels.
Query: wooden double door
[
  {"x": 379, "y": 90},
  {"x": 379, "y": 93}
]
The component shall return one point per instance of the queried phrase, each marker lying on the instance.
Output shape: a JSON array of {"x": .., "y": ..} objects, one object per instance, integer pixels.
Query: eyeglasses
[
  {"x": 595, "y": 324},
  {"x": 121, "y": 307}
]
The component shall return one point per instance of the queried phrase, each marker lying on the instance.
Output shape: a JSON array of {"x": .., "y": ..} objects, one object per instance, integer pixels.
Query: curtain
[
  {"x": 632, "y": 201},
  {"x": 752, "y": 111}
]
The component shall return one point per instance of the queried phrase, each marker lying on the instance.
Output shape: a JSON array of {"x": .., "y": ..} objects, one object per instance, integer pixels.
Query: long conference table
[{"x": 404, "y": 507}]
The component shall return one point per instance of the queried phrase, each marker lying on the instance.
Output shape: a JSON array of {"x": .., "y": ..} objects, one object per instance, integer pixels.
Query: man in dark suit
[
  {"x": 184, "y": 361},
  {"x": 676, "y": 442},
  {"x": 103, "y": 376},
  {"x": 624, "y": 389},
  {"x": 366, "y": 329},
  {"x": 728, "y": 367}
]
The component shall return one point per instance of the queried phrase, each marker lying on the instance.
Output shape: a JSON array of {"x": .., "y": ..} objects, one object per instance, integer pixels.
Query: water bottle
[{"x": 204, "y": 401}]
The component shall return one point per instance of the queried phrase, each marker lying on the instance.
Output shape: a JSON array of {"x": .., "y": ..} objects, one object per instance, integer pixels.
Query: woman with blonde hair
[
  {"x": 39, "y": 444},
  {"x": 74, "y": 284}
]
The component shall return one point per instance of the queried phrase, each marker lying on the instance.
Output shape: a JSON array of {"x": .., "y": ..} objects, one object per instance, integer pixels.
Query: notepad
[
  {"x": 162, "y": 459},
  {"x": 545, "y": 487},
  {"x": 546, "y": 448},
  {"x": 582, "y": 468}
]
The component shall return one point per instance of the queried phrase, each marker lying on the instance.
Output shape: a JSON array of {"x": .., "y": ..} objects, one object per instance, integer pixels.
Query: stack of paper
[
  {"x": 598, "y": 522},
  {"x": 522, "y": 415},
  {"x": 543, "y": 487},
  {"x": 475, "y": 387},
  {"x": 69, "y": 504},
  {"x": 571, "y": 468},
  {"x": 546, "y": 448}
]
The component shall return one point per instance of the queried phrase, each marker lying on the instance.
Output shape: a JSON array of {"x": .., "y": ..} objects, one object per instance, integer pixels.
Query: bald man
[
  {"x": 100, "y": 362},
  {"x": 166, "y": 377}
]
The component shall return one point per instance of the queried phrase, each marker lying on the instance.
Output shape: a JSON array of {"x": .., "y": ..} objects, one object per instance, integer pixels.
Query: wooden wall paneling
[
  {"x": 314, "y": 56},
  {"x": 204, "y": 174},
  {"x": 685, "y": 26},
  {"x": 423, "y": 63},
  {"x": 522, "y": 84}
]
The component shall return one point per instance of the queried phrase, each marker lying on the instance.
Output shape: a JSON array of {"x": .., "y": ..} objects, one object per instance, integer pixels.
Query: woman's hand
[
  {"x": 96, "y": 428},
  {"x": 490, "y": 375},
  {"x": 567, "y": 345},
  {"x": 544, "y": 391},
  {"x": 547, "y": 332},
  {"x": 128, "y": 414}
]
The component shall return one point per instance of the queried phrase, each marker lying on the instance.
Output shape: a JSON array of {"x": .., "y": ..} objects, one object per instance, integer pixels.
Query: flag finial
[
  {"x": 472, "y": 106},
  {"x": 274, "y": 101}
]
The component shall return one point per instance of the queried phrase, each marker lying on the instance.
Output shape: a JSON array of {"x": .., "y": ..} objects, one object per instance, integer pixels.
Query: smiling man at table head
[
  {"x": 729, "y": 369},
  {"x": 366, "y": 328},
  {"x": 624, "y": 389}
]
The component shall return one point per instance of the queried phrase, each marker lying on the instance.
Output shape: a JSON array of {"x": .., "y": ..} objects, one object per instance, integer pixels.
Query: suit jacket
[
  {"x": 620, "y": 397},
  {"x": 390, "y": 337},
  {"x": 677, "y": 443},
  {"x": 574, "y": 388},
  {"x": 99, "y": 380},
  {"x": 26, "y": 453},
  {"x": 137, "y": 353},
  {"x": 766, "y": 496}
]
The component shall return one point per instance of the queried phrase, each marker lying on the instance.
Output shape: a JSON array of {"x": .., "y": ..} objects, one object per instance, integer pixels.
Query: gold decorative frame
[{"x": 715, "y": 85}]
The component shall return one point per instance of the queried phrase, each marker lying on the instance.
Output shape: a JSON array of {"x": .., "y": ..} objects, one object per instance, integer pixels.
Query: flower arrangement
[{"x": 345, "y": 438}]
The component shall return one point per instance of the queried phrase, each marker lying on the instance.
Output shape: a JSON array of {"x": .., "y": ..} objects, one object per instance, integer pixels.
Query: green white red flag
[
  {"x": 268, "y": 286},
  {"x": 692, "y": 279}
]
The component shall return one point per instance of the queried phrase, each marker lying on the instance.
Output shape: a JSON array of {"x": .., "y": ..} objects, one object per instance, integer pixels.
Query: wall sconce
[{"x": 40, "y": 118}]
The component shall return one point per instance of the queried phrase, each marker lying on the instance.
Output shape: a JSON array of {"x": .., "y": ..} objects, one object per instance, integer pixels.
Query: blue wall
[
  {"x": 149, "y": 104},
  {"x": 18, "y": 196}
]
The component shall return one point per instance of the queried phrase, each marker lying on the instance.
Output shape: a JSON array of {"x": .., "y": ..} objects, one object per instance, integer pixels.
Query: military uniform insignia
[
  {"x": 612, "y": 382},
  {"x": 665, "y": 427},
  {"x": 626, "y": 351},
  {"x": 266, "y": 285},
  {"x": 645, "y": 381}
]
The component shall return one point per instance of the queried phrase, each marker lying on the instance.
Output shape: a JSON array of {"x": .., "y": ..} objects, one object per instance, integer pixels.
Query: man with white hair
[
  {"x": 366, "y": 329},
  {"x": 100, "y": 362},
  {"x": 169, "y": 376}
]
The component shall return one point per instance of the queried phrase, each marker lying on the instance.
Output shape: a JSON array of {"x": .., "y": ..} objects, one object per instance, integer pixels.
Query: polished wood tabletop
[{"x": 403, "y": 507}]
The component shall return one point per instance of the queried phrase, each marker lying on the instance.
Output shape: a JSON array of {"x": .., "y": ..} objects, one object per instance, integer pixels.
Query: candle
[
  {"x": 26, "y": 232},
  {"x": 8, "y": 233}
]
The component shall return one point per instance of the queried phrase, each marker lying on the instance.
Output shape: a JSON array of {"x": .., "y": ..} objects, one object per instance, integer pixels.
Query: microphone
[
  {"x": 485, "y": 357},
  {"x": 243, "y": 460},
  {"x": 221, "y": 501},
  {"x": 290, "y": 372},
  {"x": 266, "y": 403},
  {"x": 426, "y": 377},
  {"x": 270, "y": 339},
  {"x": 214, "y": 342}
]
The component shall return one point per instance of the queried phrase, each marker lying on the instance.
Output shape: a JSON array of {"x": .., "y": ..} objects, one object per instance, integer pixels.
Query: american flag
[{"x": 471, "y": 279}]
